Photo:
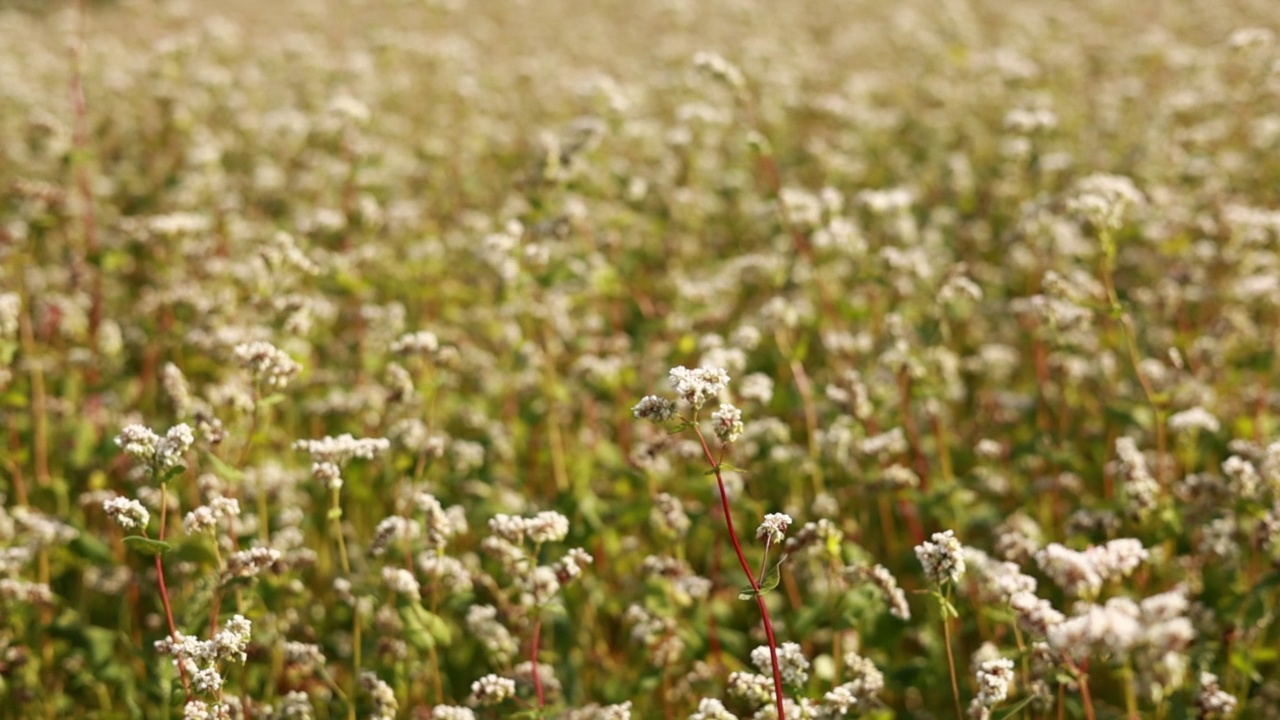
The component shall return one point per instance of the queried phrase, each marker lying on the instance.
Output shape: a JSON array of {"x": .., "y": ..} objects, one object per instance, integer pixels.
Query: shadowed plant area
[{"x": 678, "y": 360}]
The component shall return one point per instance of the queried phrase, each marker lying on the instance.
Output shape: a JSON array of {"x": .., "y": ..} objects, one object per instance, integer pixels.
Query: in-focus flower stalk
[{"x": 696, "y": 387}]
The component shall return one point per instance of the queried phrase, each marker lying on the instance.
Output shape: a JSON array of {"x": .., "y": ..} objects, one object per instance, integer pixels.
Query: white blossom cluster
[
  {"x": 200, "y": 659},
  {"x": 1104, "y": 199},
  {"x": 1083, "y": 573},
  {"x": 773, "y": 527},
  {"x": 269, "y": 364},
  {"x": 492, "y": 689},
  {"x": 128, "y": 514},
  {"x": 342, "y": 448},
  {"x": 544, "y": 527},
  {"x": 792, "y": 663},
  {"x": 698, "y": 385},
  {"x": 159, "y": 453},
  {"x": 942, "y": 558}
]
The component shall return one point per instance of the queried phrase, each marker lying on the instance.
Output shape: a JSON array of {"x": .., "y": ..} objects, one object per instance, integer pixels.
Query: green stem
[{"x": 951, "y": 659}]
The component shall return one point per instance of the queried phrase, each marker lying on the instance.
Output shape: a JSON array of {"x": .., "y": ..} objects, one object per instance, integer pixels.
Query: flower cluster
[
  {"x": 942, "y": 558},
  {"x": 269, "y": 365},
  {"x": 158, "y": 453}
]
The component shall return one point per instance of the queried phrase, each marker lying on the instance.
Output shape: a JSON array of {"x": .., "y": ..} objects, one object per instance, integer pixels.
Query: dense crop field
[{"x": 674, "y": 359}]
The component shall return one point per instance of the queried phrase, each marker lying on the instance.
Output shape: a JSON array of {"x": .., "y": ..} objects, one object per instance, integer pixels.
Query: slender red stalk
[
  {"x": 1082, "y": 673},
  {"x": 751, "y": 578},
  {"x": 164, "y": 590}
]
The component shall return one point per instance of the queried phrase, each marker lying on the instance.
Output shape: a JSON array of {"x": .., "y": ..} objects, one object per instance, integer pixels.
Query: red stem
[
  {"x": 164, "y": 591},
  {"x": 746, "y": 568}
]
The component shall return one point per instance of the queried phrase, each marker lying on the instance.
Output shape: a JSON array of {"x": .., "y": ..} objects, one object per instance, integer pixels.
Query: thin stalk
[
  {"x": 335, "y": 513},
  {"x": 39, "y": 401},
  {"x": 951, "y": 659},
  {"x": 805, "y": 388},
  {"x": 746, "y": 569},
  {"x": 164, "y": 590},
  {"x": 533, "y": 658},
  {"x": 555, "y": 435},
  {"x": 1131, "y": 345},
  {"x": 1130, "y": 692},
  {"x": 436, "y": 684},
  {"x": 1085, "y": 695},
  {"x": 1022, "y": 655}
]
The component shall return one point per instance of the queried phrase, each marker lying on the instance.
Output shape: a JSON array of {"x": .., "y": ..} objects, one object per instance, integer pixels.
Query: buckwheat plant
[
  {"x": 695, "y": 388},
  {"x": 516, "y": 544},
  {"x": 943, "y": 560},
  {"x": 958, "y": 282},
  {"x": 160, "y": 458},
  {"x": 328, "y": 456}
]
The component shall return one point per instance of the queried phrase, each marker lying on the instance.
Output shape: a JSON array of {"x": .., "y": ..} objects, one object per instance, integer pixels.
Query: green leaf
[
  {"x": 272, "y": 399},
  {"x": 438, "y": 628},
  {"x": 146, "y": 545},
  {"x": 1270, "y": 581},
  {"x": 767, "y": 583},
  {"x": 1016, "y": 708},
  {"x": 1243, "y": 664},
  {"x": 423, "y": 629},
  {"x": 172, "y": 473},
  {"x": 222, "y": 468},
  {"x": 92, "y": 548},
  {"x": 774, "y": 576}
]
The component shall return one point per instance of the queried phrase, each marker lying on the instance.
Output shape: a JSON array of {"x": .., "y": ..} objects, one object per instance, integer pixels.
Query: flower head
[
  {"x": 128, "y": 514},
  {"x": 698, "y": 385},
  {"x": 942, "y": 557},
  {"x": 654, "y": 409},
  {"x": 774, "y": 527},
  {"x": 727, "y": 422}
]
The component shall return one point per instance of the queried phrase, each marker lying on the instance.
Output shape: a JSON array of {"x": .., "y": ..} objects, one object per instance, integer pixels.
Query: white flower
[
  {"x": 423, "y": 341},
  {"x": 942, "y": 559},
  {"x": 138, "y": 441},
  {"x": 402, "y": 582},
  {"x": 699, "y": 385},
  {"x": 342, "y": 448},
  {"x": 492, "y": 689},
  {"x": 1197, "y": 418},
  {"x": 712, "y": 709},
  {"x": 268, "y": 363},
  {"x": 994, "y": 679},
  {"x": 727, "y": 423},
  {"x": 791, "y": 663},
  {"x": 10, "y": 309},
  {"x": 1103, "y": 199},
  {"x": 547, "y": 526},
  {"x": 774, "y": 527},
  {"x": 200, "y": 520},
  {"x": 654, "y": 409},
  {"x": 128, "y": 514}
]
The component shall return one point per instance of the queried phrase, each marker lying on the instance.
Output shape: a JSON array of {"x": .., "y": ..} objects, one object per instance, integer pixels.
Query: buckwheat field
[{"x": 674, "y": 360}]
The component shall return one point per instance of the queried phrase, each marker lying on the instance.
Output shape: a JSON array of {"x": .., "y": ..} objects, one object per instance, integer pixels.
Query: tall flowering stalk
[
  {"x": 162, "y": 457},
  {"x": 328, "y": 456},
  {"x": 695, "y": 387},
  {"x": 942, "y": 557}
]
